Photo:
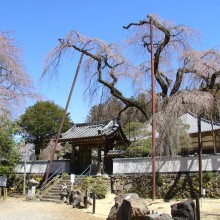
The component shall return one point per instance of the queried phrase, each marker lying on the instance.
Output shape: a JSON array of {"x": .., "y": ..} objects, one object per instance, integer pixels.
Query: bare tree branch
[
  {"x": 15, "y": 84},
  {"x": 179, "y": 71}
]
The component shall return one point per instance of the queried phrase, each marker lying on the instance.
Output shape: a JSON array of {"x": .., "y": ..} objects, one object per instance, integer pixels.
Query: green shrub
[
  {"x": 96, "y": 185},
  {"x": 207, "y": 176},
  {"x": 207, "y": 179},
  {"x": 100, "y": 188},
  {"x": 15, "y": 184},
  {"x": 159, "y": 180},
  {"x": 64, "y": 174},
  {"x": 139, "y": 148},
  {"x": 37, "y": 177}
]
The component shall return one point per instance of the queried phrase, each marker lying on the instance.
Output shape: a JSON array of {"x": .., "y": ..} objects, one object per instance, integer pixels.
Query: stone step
[
  {"x": 69, "y": 181},
  {"x": 50, "y": 200},
  {"x": 54, "y": 191},
  {"x": 66, "y": 182},
  {"x": 59, "y": 187},
  {"x": 57, "y": 197},
  {"x": 54, "y": 188},
  {"x": 66, "y": 177},
  {"x": 53, "y": 194}
]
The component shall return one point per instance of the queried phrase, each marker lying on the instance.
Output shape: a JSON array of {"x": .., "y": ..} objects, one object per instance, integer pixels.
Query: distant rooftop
[
  {"x": 191, "y": 120},
  {"x": 115, "y": 153}
]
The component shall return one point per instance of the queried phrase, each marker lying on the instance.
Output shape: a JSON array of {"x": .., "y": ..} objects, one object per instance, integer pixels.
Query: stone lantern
[{"x": 32, "y": 184}]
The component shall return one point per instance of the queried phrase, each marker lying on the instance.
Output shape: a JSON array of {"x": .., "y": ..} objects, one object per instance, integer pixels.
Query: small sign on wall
[{"x": 3, "y": 181}]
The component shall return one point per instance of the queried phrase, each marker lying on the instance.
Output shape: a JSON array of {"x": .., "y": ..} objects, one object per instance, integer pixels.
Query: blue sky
[{"x": 37, "y": 24}]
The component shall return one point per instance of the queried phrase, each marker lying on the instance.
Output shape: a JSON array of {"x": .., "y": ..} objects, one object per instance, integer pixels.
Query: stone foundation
[{"x": 168, "y": 186}]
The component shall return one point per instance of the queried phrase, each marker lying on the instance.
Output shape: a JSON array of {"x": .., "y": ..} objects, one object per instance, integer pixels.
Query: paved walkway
[{"x": 20, "y": 209}]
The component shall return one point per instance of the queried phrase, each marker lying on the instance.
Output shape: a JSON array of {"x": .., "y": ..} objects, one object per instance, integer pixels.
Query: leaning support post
[{"x": 64, "y": 115}]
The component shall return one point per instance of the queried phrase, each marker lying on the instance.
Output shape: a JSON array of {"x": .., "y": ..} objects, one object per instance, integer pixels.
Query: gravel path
[{"x": 20, "y": 209}]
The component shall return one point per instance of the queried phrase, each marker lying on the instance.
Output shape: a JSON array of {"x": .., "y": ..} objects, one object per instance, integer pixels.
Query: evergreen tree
[
  {"x": 41, "y": 122},
  {"x": 9, "y": 155}
]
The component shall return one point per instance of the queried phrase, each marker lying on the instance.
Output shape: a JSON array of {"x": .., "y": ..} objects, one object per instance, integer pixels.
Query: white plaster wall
[
  {"x": 39, "y": 167},
  {"x": 166, "y": 164}
]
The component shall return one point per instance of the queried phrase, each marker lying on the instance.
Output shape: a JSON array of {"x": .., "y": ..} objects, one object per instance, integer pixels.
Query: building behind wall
[{"x": 210, "y": 135}]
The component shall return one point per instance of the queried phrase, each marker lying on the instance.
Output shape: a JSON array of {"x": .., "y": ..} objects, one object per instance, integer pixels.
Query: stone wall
[{"x": 168, "y": 186}]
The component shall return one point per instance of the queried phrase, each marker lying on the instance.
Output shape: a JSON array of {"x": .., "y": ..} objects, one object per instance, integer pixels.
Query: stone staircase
[{"x": 52, "y": 193}]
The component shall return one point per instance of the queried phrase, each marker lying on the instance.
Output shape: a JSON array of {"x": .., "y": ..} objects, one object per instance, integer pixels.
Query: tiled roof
[
  {"x": 191, "y": 120},
  {"x": 116, "y": 153},
  {"x": 86, "y": 130}
]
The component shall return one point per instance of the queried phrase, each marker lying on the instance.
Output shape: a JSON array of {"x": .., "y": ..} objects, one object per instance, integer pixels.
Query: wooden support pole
[
  {"x": 153, "y": 115},
  {"x": 5, "y": 193},
  {"x": 93, "y": 204},
  {"x": 213, "y": 136},
  {"x": 72, "y": 160},
  {"x": 200, "y": 155},
  {"x": 99, "y": 171},
  {"x": 197, "y": 207},
  {"x": 0, "y": 192},
  {"x": 86, "y": 199}
]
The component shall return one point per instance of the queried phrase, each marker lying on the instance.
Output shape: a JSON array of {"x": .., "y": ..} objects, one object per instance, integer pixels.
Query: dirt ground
[
  {"x": 20, "y": 209},
  {"x": 209, "y": 208}
]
